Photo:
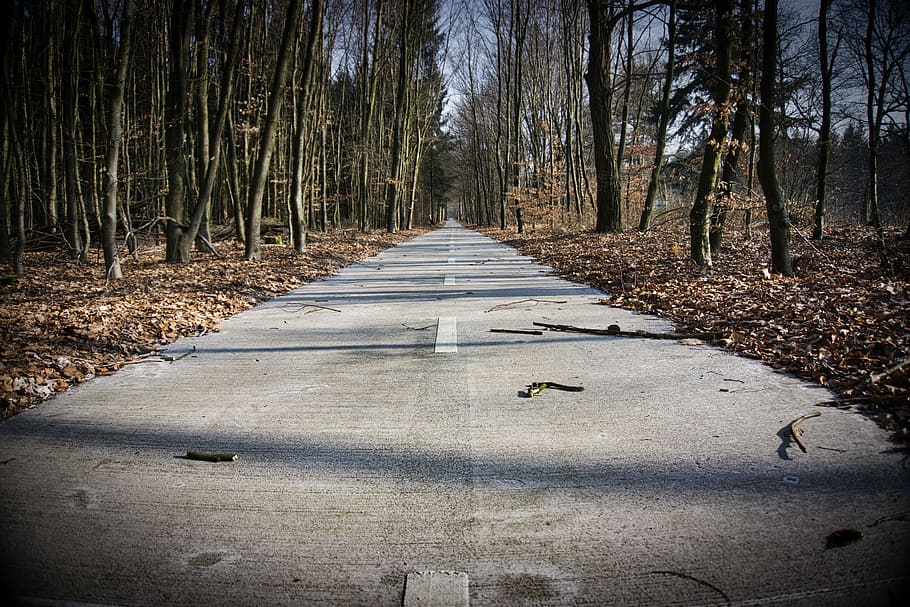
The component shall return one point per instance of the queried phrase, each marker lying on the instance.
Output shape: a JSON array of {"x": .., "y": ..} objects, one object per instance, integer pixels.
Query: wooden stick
[
  {"x": 615, "y": 331},
  {"x": 211, "y": 457},
  {"x": 795, "y": 432},
  {"x": 518, "y": 331},
  {"x": 877, "y": 377}
]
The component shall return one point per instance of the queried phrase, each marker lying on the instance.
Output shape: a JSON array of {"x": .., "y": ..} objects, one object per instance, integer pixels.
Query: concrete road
[{"x": 381, "y": 432}]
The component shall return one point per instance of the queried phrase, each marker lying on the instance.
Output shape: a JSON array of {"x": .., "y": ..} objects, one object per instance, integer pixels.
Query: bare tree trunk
[
  {"x": 267, "y": 141},
  {"x": 663, "y": 123},
  {"x": 70, "y": 101},
  {"x": 401, "y": 111},
  {"x": 52, "y": 196},
  {"x": 875, "y": 110},
  {"x": 298, "y": 223},
  {"x": 699, "y": 216},
  {"x": 115, "y": 131},
  {"x": 775, "y": 203},
  {"x": 234, "y": 182},
  {"x": 826, "y": 64},
  {"x": 600, "y": 89},
  {"x": 175, "y": 130},
  {"x": 6, "y": 251},
  {"x": 741, "y": 120},
  {"x": 203, "y": 139}
]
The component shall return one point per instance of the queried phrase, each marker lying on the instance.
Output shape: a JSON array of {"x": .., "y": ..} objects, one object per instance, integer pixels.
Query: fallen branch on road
[
  {"x": 211, "y": 457},
  {"x": 795, "y": 433},
  {"x": 517, "y": 331},
  {"x": 539, "y": 386},
  {"x": 615, "y": 331}
]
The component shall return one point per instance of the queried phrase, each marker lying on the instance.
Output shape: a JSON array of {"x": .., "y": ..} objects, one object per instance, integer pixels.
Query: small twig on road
[
  {"x": 794, "y": 432},
  {"x": 418, "y": 328},
  {"x": 521, "y": 301},
  {"x": 315, "y": 308},
  {"x": 171, "y": 359},
  {"x": 517, "y": 331}
]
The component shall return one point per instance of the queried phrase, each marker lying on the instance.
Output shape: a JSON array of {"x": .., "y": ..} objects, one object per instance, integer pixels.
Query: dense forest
[{"x": 182, "y": 122}]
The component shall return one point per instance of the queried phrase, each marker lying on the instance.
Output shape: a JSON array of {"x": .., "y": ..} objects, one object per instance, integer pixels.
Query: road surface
[{"x": 383, "y": 436}]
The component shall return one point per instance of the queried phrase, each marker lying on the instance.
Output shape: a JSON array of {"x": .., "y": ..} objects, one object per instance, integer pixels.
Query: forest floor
[
  {"x": 62, "y": 323},
  {"x": 843, "y": 321}
]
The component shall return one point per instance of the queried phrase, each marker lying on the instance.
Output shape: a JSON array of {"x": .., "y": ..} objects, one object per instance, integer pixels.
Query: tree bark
[
  {"x": 600, "y": 89},
  {"x": 824, "y": 138},
  {"x": 699, "y": 216},
  {"x": 298, "y": 223},
  {"x": 741, "y": 120},
  {"x": 775, "y": 203},
  {"x": 401, "y": 111},
  {"x": 175, "y": 118},
  {"x": 267, "y": 141},
  {"x": 664, "y": 122},
  {"x": 115, "y": 131},
  {"x": 70, "y": 102}
]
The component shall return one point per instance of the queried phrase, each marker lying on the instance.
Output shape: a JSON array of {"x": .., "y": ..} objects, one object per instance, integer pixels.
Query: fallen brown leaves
[
  {"x": 843, "y": 322},
  {"x": 62, "y": 324}
]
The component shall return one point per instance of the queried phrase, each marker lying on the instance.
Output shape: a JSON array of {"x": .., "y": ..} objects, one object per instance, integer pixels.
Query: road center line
[
  {"x": 437, "y": 588},
  {"x": 446, "y": 335}
]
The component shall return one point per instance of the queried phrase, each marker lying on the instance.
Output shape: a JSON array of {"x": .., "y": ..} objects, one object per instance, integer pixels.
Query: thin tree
[
  {"x": 401, "y": 112},
  {"x": 826, "y": 68},
  {"x": 699, "y": 216},
  {"x": 267, "y": 140},
  {"x": 298, "y": 225},
  {"x": 604, "y": 17},
  {"x": 70, "y": 101},
  {"x": 663, "y": 123},
  {"x": 775, "y": 203},
  {"x": 115, "y": 132}
]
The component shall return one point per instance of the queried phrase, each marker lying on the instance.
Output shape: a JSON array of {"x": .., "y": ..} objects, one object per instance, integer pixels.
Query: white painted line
[
  {"x": 436, "y": 589},
  {"x": 449, "y": 281},
  {"x": 446, "y": 335}
]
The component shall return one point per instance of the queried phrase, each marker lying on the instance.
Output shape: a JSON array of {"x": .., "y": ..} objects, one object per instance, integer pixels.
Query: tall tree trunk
[
  {"x": 298, "y": 223},
  {"x": 875, "y": 113},
  {"x": 6, "y": 251},
  {"x": 175, "y": 118},
  {"x": 600, "y": 89},
  {"x": 626, "y": 97},
  {"x": 741, "y": 121},
  {"x": 824, "y": 138},
  {"x": 368, "y": 109},
  {"x": 52, "y": 195},
  {"x": 775, "y": 203},
  {"x": 234, "y": 182},
  {"x": 115, "y": 131},
  {"x": 401, "y": 111},
  {"x": 70, "y": 102},
  {"x": 699, "y": 216},
  {"x": 203, "y": 139},
  {"x": 267, "y": 141},
  {"x": 664, "y": 122},
  {"x": 729, "y": 173}
]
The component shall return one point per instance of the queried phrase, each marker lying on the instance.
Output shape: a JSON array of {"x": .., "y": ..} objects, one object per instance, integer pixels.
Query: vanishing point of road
[{"x": 387, "y": 456}]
